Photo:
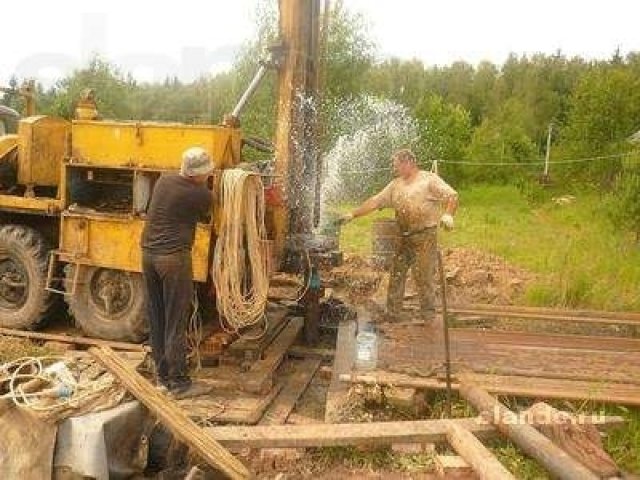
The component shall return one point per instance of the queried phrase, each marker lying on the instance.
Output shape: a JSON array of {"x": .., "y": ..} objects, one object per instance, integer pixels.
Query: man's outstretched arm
[{"x": 374, "y": 203}]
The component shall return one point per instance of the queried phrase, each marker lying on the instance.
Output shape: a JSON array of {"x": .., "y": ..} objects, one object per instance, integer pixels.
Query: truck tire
[
  {"x": 24, "y": 301},
  {"x": 107, "y": 303}
]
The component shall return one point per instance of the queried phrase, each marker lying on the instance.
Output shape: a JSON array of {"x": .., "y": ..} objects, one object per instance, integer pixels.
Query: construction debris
[
  {"x": 530, "y": 440},
  {"x": 581, "y": 441},
  {"x": 170, "y": 415},
  {"x": 375, "y": 433}
]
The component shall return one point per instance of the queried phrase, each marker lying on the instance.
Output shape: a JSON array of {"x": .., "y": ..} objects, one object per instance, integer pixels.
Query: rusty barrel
[{"x": 383, "y": 241}]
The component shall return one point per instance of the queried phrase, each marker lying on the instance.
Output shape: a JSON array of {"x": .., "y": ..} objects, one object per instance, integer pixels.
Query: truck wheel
[
  {"x": 24, "y": 302},
  {"x": 107, "y": 303}
]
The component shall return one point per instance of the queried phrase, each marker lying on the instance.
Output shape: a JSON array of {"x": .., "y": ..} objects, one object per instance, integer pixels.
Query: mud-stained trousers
[
  {"x": 168, "y": 282},
  {"x": 419, "y": 252}
]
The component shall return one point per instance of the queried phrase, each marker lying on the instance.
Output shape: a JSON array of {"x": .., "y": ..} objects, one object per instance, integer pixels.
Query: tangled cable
[{"x": 239, "y": 269}]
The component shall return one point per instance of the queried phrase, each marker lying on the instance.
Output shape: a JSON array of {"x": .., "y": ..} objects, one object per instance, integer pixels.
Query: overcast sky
[{"x": 46, "y": 40}]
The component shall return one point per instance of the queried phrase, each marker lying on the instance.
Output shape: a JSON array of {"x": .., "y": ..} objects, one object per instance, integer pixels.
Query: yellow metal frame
[
  {"x": 155, "y": 146},
  {"x": 45, "y": 206},
  {"x": 113, "y": 241}
]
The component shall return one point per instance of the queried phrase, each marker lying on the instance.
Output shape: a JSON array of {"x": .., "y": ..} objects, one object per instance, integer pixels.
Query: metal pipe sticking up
[
  {"x": 445, "y": 326},
  {"x": 248, "y": 93}
]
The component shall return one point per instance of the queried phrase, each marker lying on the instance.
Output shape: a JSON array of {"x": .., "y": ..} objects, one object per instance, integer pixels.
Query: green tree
[
  {"x": 604, "y": 111},
  {"x": 112, "y": 87},
  {"x": 502, "y": 139},
  {"x": 444, "y": 132}
]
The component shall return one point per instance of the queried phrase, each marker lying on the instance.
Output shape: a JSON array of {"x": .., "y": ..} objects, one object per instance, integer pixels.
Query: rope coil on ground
[
  {"x": 239, "y": 268},
  {"x": 58, "y": 389}
]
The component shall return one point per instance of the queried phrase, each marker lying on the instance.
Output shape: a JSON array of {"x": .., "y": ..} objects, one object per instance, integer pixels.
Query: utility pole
[{"x": 545, "y": 175}]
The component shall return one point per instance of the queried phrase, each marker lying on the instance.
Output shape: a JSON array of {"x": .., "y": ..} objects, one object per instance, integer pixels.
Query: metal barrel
[{"x": 384, "y": 238}]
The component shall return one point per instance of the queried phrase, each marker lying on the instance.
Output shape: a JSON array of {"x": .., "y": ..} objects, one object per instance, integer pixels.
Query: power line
[{"x": 499, "y": 164}]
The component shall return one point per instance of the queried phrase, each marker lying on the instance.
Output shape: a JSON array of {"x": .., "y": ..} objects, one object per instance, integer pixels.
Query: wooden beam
[
  {"x": 344, "y": 358},
  {"x": 483, "y": 462},
  {"x": 171, "y": 415},
  {"x": 531, "y": 441},
  {"x": 567, "y": 316},
  {"x": 260, "y": 377},
  {"x": 381, "y": 433},
  {"x": 295, "y": 386},
  {"x": 303, "y": 351},
  {"x": 518, "y": 386},
  {"x": 92, "y": 342},
  {"x": 557, "y": 312}
]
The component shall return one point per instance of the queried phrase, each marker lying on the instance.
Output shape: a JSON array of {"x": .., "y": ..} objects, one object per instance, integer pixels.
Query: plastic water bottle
[{"x": 366, "y": 350}]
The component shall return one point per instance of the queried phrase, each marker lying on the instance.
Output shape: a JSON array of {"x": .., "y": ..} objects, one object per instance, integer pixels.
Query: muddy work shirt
[
  {"x": 417, "y": 203},
  {"x": 176, "y": 206}
]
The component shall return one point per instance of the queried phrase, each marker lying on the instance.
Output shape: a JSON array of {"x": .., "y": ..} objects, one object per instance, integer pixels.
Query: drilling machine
[{"x": 73, "y": 212}]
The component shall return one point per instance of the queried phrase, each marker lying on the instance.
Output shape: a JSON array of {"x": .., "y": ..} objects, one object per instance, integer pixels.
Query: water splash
[{"x": 368, "y": 130}]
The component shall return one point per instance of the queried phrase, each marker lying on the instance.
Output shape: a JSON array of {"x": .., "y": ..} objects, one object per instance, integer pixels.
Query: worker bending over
[
  {"x": 417, "y": 196},
  {"x": 177, "y": 204}
]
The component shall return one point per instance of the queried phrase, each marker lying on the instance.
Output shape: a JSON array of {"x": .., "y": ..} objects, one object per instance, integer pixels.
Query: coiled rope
[
  {"x": 239, "y": 269},
  {"x": 56, "y": 393}
]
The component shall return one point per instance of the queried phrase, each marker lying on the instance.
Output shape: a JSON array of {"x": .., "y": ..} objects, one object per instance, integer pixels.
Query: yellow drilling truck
[{"x": 73, "y": 194}]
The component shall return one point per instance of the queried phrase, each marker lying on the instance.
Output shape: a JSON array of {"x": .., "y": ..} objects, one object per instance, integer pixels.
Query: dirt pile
[{"x": 472, "y": 276}]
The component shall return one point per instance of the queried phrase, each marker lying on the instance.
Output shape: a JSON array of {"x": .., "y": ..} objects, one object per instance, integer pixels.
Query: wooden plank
[
  {"x": 453, "y": 466},
  {"x": 566, "y": 317},
  {"x": 260, "y": 377},
  {"x": 92, "y": 342},
  {"x": 344, "y": 358},
  {"x": 531, "y": 441},
  {"x": 229, "y": 406},
  {"x": 380, "y": 433},
  {"x": 558, "y": 312},
  {"x": 483, "y": 462},
  {"x": 295, "y": 386},
  {"x": 546, "y": 340},
  {"x": 518, "y": 386},
  {"x": 171, "y": 415},
  {"x": 277, "y": 321},
  {"x": 302, "y": 351}
]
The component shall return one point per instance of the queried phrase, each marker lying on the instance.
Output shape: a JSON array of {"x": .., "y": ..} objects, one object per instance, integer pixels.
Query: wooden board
[
  {"x": 415, "y": 350},
  {"x": 294, "y": 387},
  {"x": 343, "y": 362},
  {"x": 483, "y": 462},
  {"x": 568, "y": 316},
  {"x": 260, "y": 377},
  {"x": 381, "y": 433},
  {"x": 229, "y": 406},
  {"x": 302, "y": 351},
  {"x": 546, "y": 340},
  {"x": 92, "y": 342},
  {"x": 606, "y": 392},
  {"x": 171, "y": 415},
  {"x": 557, "y": 312},
  {"x": 254, "y": 349}
]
